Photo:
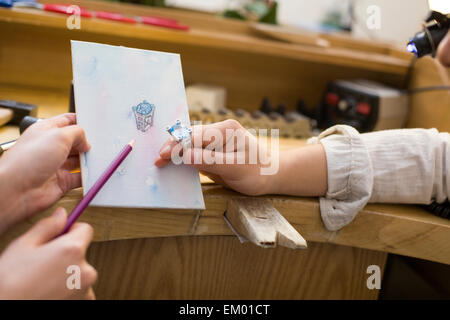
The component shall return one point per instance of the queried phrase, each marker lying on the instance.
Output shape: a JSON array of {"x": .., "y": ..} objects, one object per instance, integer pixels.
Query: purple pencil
[{"x": 78, "y": 210}]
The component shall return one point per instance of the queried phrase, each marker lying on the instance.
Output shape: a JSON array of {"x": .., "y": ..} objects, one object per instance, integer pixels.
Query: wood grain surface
[
  {"x": 219, "y": 267},
  {"x": 401, "y": 229},
  {"x": 256, "y": 220}
]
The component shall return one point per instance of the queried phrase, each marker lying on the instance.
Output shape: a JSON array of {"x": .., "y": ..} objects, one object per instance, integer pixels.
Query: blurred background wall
[{"x": 312, "y": 14}]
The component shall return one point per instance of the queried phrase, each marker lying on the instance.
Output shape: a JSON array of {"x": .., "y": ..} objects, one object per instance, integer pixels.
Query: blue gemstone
[
  {"x": 144, "y": 108},
  {"x": 179, "y": 132}
]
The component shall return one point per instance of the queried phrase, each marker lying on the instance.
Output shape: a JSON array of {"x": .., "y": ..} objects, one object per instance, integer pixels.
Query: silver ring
[{"x": 181, "y": 134}]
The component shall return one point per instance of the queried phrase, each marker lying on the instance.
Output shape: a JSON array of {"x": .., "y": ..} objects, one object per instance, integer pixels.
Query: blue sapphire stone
[{"x": 144, "y": 108}]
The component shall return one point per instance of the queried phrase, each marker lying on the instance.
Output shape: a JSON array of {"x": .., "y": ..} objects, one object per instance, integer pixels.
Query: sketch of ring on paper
[
  {"x": 135, "y": 83},
  {"x": 143, "y": 113}
]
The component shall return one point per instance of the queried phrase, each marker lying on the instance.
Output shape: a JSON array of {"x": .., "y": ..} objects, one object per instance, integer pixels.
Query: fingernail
[
  {"x": 158, "y": 164},
  {"x": 164, "y": 150}
]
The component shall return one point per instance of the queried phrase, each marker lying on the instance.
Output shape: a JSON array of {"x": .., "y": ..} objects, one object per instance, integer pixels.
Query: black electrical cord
[
  {"x": 439, "y": 209},
  {"x": 422, "y": 89},
  {"x": 425, "y": 89}
]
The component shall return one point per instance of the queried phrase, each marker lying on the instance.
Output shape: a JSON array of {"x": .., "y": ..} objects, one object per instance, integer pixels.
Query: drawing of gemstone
[{"x": 144, "y": 115}]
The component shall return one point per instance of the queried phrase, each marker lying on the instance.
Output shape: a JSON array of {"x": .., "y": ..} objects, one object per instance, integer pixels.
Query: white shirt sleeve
[{"x": 401, "y": 166}]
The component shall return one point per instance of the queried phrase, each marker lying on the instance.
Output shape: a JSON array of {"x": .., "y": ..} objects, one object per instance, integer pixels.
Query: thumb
[
  {"x": 47, "y": 229},
  {"x": 443, "y": 53}
]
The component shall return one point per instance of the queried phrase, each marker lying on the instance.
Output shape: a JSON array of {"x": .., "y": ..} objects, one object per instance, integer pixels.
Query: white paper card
[{"x": 123, "y": 94}]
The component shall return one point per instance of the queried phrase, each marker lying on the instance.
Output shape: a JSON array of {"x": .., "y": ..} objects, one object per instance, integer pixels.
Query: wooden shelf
[
  {"x": 216, "y": 51},
  {"x": 212, "y": 39}
]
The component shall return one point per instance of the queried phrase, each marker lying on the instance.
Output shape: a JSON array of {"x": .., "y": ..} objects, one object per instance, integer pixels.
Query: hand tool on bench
[
  {"x": 25, "y": 123},
  {"x": 255, "y": 219},
  {"x": 12, "y": 112}
]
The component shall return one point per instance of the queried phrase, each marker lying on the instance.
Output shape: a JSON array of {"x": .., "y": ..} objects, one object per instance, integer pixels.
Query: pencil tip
[{"x": 132, "y": 143}]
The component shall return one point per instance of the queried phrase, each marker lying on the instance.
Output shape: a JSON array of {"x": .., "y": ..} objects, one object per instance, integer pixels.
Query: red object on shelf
[
  {"x": 363, "y": 108},
  {"x": 114, "y": 16},
  {"x": 332, "y": 99},
  {"x": 66, "y": 9},
  {"x": 155, "y": 21},
  {"x": 163, "y": 22},
  {"x": 165, "y": 19}
]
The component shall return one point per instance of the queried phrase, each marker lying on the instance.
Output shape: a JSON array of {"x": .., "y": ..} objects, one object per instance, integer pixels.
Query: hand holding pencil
[
  {"x": 38, "y": 170},
  {"x": 82, "y": 205}
]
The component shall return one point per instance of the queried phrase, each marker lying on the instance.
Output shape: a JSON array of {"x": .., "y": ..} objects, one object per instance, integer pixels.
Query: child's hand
[
  {"x": 219, "y": 155},
  {"x": 35, "y": 266},
  {"x": 249, "y": 167},
  {"x": 36, "y": 171}
]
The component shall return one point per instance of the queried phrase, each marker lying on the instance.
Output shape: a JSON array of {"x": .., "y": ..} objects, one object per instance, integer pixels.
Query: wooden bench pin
[{"x": 257, "y": 220}]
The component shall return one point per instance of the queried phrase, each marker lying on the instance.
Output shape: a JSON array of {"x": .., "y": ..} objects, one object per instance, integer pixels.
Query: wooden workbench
[{"x": 193, "y": 254}]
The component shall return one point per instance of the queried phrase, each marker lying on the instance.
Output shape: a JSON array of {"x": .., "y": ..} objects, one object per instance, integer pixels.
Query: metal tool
[
  {"x": 12, "y": 112},
  {"x": 426, "y": 42}
]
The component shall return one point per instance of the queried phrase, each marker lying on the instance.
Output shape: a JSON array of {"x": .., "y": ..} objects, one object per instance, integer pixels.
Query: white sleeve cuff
[
  {"x": 350, "y": 176},
  {"x": 409, "y": 165}
]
